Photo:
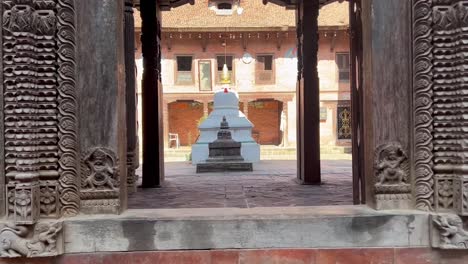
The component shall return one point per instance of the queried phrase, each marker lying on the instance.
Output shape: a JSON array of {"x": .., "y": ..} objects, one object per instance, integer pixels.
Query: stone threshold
[{"x": 251, "y": 228}]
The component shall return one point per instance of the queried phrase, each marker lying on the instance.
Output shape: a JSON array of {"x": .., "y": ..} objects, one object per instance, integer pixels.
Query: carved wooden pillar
[
  {"x": 131, "y": 95},
  {"x": 153, "y": 159},
  {"x": 442, "y": 108},
  {"x": 101, "y": 86},
  {"x": 39, "y": 150},
  {"x": 308, "y": 127},
  {"x": 387, "y": 103}
]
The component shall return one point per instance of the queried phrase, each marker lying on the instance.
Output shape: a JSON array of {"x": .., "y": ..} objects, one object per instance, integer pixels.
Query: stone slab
[
  {"x": 232, "y": 228},
  {"x": 224, "y": 166},
  {"x": 253, "y": 256}
]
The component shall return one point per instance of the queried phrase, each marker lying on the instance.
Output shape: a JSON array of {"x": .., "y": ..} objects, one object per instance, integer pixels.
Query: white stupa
[{"x": 226, "y": 103}]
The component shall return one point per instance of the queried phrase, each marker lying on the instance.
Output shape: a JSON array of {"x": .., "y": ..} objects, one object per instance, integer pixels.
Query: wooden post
[
  {"x": 308, "y": 139},
  {"x": 356, "y": 93},
  {"x": 130, "y": 82},
  {"x": 153, "y": 160}
]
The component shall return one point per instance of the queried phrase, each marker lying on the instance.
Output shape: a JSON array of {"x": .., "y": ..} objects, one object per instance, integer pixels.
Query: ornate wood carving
[
  {"x": 392, "y": 176},
  {"x": 100, "y": 180},
  {"x": 67, "y": 106},
  {"x": 450, "y": 97},
  {"x": 423, "y": 84},
  {"x": 40, "y": 108},
  {"x": 41, "y": 240},
  {"x": 131, "y": 95},
  {"x": 40, "y": 121}
]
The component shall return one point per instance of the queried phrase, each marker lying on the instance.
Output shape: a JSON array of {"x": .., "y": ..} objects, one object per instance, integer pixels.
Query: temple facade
[
  {"x": 68, "y": 135},
  {"x": 261, "y": 53}
]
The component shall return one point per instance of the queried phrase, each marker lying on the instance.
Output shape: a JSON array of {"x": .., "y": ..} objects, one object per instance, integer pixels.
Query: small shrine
[
  {"x": 224, "y": 154},
  {"x": 226, "y": 106}
]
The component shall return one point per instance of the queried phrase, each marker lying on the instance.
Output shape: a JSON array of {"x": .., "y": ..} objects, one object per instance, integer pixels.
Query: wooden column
[
  {"x": 153, "y": 160},
  {"x": 308, "y": 128},
  {"x": 359, "y": 194},
  {"x": 130, "y": 82}
]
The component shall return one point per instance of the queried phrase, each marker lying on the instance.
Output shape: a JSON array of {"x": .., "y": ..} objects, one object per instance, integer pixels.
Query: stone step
[{"x": 267, "y": 153}]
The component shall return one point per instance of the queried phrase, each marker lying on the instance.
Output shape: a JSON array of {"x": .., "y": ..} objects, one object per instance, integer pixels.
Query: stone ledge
[{"x": 253, "y": 228}]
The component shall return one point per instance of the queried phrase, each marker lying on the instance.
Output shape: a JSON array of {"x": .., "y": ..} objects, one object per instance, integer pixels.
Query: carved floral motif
[
  {"x": 26, "y": 241},
  {"x": 422, "y": 88}
]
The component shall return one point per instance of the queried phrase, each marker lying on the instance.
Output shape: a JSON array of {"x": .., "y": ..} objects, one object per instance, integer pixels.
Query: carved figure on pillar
[
  {"x": 392, "y": 185},
  {"x": 100, "y": 180}
]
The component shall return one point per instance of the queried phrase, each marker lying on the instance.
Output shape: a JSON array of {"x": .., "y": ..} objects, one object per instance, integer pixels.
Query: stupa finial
[{"x": 224, "y": 123}]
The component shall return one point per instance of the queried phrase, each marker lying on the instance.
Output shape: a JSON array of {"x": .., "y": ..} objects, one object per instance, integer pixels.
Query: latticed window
[
  {"x": 265, "y": 70},
  {"x": 344, "y": 122},
  {"x": 184, "y": 74},
  {"x": 343, "y": 63}
]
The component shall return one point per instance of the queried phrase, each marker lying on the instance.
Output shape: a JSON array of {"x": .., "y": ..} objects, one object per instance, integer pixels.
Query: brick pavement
[{"x": 271, "y": 184}]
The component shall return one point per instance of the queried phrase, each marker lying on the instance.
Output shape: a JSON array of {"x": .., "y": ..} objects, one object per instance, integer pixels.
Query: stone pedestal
[{"x": 224, "y": 154}]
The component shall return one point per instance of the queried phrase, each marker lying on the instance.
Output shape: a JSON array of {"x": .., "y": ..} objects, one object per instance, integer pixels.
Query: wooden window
[
  {"x": 344, "y": 130},
  {"x": 204, "y": 73},
  {"x": 184, "y": 67},
  {"x": 342, "y": 61},
  {"x": 225, "y": 6},
  {"x": 265, "y": 70},
  {"x": 220, "y": 60}
]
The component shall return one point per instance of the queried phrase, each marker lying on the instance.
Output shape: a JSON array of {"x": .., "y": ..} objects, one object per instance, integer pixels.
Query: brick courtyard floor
[{"x": 271, "y": 184}]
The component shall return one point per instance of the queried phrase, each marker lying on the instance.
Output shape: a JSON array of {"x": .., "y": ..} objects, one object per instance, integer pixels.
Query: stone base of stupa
[
  {"x": 225, "y": 166},
  {"x": 250, "y": 151}
]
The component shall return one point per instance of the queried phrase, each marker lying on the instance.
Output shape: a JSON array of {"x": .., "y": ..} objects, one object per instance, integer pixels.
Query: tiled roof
[{"x": 255, "y": 15}]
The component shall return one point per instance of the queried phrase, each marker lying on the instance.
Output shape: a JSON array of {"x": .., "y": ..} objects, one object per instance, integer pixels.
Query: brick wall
[
  {"x": 266, "y": 117},
  {"x": 183, "y": 120},
  {"x": 270, "y": 256}
]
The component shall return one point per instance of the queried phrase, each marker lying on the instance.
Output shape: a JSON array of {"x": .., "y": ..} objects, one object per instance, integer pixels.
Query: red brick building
[{"x": 261, "y": 53}]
